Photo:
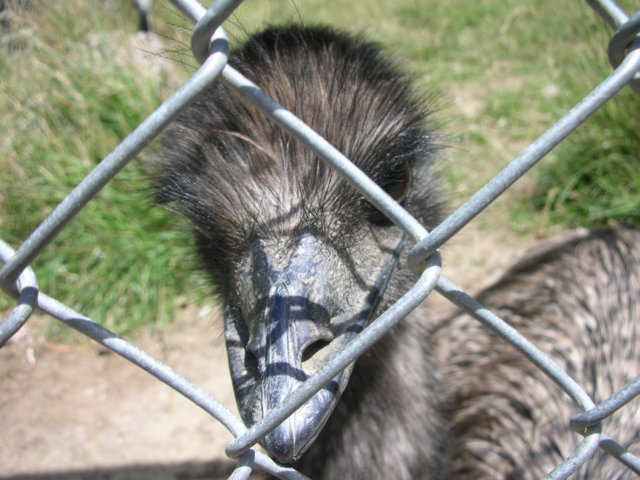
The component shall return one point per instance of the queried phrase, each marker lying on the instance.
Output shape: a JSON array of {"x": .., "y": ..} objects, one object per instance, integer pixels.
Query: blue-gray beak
[{"x": 289, "y": 314}]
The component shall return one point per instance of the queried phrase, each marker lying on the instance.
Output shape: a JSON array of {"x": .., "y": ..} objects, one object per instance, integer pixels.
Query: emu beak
[{"x": 288, "y": 316}]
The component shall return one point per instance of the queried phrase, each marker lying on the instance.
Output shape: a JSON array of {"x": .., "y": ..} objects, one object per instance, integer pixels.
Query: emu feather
[{"x": 302, "y": 263}]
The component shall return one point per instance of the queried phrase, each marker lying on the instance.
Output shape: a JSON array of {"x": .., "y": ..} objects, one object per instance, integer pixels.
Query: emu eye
[{"x": 397, "y": 186}]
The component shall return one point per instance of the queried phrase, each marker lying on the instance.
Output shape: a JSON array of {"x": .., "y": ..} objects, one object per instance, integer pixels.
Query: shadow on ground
[{"x": 213, "y": 470}]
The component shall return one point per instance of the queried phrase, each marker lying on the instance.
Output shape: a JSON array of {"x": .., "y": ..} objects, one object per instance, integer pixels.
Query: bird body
[
  {"x": 576, "y": 300},
  {"x": 302, "y": 263}
]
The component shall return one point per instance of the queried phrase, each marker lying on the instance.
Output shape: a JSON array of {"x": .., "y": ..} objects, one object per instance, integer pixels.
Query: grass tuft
[
  {"x": 592, "y": 179},
  {"x": 69, "y": 100}
]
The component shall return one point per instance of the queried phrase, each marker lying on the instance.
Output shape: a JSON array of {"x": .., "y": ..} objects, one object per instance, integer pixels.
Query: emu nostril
[
  {"x": 312, "y": 349},
  {"x": 314, "y": 356}
]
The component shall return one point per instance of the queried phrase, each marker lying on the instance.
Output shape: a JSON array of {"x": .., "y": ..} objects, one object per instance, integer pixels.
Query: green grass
[
  {"x": 593, "y": 179},
  {"x": 501, "y": 72},
  {"x": 68, "y": 100}
]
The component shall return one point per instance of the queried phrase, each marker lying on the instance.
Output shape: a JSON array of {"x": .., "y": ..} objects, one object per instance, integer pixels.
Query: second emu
[{"x": 302, "y": 263}]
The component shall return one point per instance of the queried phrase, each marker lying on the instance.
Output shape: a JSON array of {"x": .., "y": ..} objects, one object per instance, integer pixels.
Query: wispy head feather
[{"x": 237, "y": 175}]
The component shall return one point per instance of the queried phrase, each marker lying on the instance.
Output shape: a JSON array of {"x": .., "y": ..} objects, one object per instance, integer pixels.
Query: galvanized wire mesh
[{"x": 209, "y": 46}]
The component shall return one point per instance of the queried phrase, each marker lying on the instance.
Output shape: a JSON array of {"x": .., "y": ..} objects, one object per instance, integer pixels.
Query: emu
[{"x": 302, "y": 262}]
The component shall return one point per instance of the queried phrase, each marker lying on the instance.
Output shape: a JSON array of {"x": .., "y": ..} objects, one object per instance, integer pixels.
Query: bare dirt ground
[{"x": 81, "y": 412}]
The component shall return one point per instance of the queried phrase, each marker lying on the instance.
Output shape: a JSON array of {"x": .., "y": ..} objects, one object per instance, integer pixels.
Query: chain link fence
[{"x": 210, "y": 47}]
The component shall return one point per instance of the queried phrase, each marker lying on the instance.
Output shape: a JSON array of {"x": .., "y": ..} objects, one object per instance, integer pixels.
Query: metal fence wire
[{"x": 210, "y": 47}]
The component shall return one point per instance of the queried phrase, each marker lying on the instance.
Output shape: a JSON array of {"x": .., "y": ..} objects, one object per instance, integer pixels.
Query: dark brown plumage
[
  {"x": 293, "y": 248},
  {"x": 577, "y": 299},
  {"x": 236, "y": 174}
]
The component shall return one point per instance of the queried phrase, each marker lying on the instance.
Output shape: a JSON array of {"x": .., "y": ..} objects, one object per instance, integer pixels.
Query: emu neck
[{"x": 392, "y": 399}]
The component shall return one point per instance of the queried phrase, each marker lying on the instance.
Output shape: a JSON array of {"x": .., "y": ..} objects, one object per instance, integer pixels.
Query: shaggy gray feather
[{"x": 437, "y": 397}]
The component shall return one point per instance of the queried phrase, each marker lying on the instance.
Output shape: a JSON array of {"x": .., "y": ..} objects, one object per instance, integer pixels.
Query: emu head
[{"x": 300, "y": 259}]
